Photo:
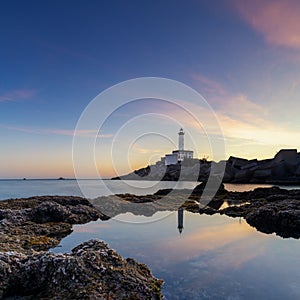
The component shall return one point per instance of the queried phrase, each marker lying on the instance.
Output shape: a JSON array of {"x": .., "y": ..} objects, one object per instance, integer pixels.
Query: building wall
[
  {"x": 183, "y": 154},
  {"x": 171, "y": 159}
]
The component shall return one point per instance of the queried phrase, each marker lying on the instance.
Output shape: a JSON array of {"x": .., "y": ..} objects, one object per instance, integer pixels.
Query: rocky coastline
[
  {"x": 283, "y": 169},
  {"x": 269, "y": 210},
  {"x": 29, "y": 227}
]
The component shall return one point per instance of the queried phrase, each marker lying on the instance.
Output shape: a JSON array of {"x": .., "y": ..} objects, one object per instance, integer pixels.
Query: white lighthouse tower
[
  {"x": 179, "y": 155},
  {"x": 181, "y": 140}
]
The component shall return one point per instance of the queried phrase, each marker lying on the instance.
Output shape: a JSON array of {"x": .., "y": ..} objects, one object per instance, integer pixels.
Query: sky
[{"x": 242, "y": 56}]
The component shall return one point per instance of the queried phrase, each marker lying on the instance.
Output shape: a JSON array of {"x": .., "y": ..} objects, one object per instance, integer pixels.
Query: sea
[{"x": 214, "y": 257}]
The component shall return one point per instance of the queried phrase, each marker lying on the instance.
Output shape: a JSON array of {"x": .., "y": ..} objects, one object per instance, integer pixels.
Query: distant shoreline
[{"x": 273, "y": 183}]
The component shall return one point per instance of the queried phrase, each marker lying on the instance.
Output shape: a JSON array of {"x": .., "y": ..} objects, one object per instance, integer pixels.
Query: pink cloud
[
  {"x": 236, "y": 105},
  {"x": 17, "y": 95},
  {"x": 209, "y": 85},
  {"x": 276, "y": 20}
]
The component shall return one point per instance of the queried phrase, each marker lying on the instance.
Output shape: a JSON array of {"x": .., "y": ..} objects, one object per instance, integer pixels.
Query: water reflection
[
  {"x": 180, "y": 219},
  {"x": 215, "y": 257}
]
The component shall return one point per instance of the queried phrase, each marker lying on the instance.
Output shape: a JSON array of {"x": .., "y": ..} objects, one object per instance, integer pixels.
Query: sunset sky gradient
[{"x": 242, "y": 56}]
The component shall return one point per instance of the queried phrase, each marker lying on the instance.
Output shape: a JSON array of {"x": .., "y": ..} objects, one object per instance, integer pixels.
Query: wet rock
[
  {"x": 91, "y": 271},
  {"x": 235, "y": 211},
  {"x": 269, "y": 210},
  {"x": 198, "y": 190},
  {"x": 251, "y": 205},
  {"x": 39, "y": 223},
  {"x": 281, "y": 217}
]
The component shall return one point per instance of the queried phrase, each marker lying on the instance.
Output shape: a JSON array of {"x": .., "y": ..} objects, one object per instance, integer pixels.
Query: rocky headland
[
  {"x": 29, "y": 227},
  {"x": 284, "y": 168}
]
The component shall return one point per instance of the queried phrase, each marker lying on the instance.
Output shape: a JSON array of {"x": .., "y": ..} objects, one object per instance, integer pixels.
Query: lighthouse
[
  {"x": 179, "y": 155},
  {"x": 181, "y": 140}
]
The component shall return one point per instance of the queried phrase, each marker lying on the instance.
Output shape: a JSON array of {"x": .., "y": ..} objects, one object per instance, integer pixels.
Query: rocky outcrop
[
  {"x": 91, "y": 271},
  {"x": 29, "y": 227},
  {"x": 269, "y": 210},
  {"x": 146, "y": 205},
  {"x": 281, "y": 216},
  {"x": 39, "y": 223},
  {"x": 284, "y": 168}
]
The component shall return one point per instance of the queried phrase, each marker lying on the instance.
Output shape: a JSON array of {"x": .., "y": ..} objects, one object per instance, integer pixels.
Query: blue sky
[{"x": 56, "y": 56}]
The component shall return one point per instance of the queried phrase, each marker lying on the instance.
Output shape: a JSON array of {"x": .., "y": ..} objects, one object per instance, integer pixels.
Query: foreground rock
[
  {"x": 39, "y": 223},
  {"x": 29, "y": 227},
  {"x": 91, "y": 271}
]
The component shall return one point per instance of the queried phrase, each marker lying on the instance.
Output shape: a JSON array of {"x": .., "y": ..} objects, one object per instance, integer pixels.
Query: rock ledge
[{"x": 91, "y": 271}]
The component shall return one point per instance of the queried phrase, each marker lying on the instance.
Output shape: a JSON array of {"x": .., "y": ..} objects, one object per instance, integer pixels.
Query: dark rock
[
  {"x": 39, "y": 223},
  {"x": 229, "y": 173},
  {"x": 281, "y": 217},
  {"x": 237, "y": 162},
  {"x": 163, "y": 192},
  {"x": 198, "y": 190},
  {"x": 215, "y": 203},
  {"x": 235, "y": 211},
  {"x": 91, "y": 271},
  {"x": 262, "y": 174},
  {"x": 280, "y": 207},
  {"x": 49, "y": 212},
  {"x": 276, "y": 197},
  {"x": 243, "y": 176},
  {"x": 143, "y": 172}
]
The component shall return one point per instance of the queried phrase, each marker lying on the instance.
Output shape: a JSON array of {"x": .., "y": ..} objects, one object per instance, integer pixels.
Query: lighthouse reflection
[
  {"x": 214, "y": 204},
  {"x": 180, "y": 219}
]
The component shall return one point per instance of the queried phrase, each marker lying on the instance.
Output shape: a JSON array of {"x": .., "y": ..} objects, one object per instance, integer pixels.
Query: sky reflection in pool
[{"x": 215, "y": 257}]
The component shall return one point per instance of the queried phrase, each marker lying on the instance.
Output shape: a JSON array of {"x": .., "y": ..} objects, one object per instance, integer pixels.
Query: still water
[{"x": 215, "y": 257}]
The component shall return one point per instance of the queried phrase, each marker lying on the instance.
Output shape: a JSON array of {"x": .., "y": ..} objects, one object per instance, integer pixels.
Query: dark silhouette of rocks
[{"x": 284, "y": 168}]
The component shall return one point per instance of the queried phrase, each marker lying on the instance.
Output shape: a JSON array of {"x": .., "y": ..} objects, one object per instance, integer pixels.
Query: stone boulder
[
  {"x": 282, "y": 217},
  {"x": 39, "y": 223},
  {"x": 91, "y": 271},
  {"x": 198, "y": 190},
  {"x": 262, "y": 174},
  {"x": 243, "y": 176}
]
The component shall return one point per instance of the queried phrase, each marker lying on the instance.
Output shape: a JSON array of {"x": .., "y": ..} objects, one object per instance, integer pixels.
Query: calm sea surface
[{"x": 215, "y": 257}]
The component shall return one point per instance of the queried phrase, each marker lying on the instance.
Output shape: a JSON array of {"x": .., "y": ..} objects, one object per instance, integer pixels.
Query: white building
[{"x": 180, "y": 154}]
